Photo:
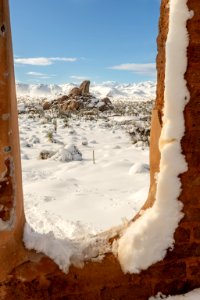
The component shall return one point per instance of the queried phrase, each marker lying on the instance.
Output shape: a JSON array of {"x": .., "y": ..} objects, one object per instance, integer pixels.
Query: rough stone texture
[
  {"x": 85, "y": 87},
  {"x": 46, "y": 105},
  {"x": 79, "y": 98},
  {"x": 37, "y": 277},
  {"x": 70, "y": 105},
  {"x": 105, "y": 104},
  {"x": 156, "y": 120},
  {"x": 11, "y": 198},
  {"x": 75, "y": 92}
]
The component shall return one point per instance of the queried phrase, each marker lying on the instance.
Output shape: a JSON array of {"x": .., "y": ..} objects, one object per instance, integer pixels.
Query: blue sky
[{"x": 59, "y": 41}]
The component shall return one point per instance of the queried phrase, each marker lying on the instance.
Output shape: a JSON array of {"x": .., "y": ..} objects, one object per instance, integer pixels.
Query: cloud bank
[
  {"x": 43, "y": 61},
  {"x": 143, "y": 69},
  {"x": 40, "y": 75},
  {"x": 36, "y": 74},
  {"x": 79, "y": 78}
]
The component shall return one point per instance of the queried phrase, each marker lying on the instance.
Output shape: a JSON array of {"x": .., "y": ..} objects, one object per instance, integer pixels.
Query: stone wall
[
  {"x": 37, "y": 277},
  {"x": 11, "y": 197}
]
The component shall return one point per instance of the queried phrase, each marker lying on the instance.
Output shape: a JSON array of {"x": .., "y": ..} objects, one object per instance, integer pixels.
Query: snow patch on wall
[
  {"x": 146, "y": 241},
  {"x": 74, "y": 248}
]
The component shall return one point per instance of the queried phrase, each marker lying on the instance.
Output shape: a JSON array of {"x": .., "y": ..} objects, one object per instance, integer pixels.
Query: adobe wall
[
  {"x": 11, "y": 197},
  {"x": 39, "y": 278}
]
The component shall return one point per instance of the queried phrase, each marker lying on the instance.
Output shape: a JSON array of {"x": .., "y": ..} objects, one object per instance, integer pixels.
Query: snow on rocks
[
  {"x": 147, "y": 239},
  {"x": 139, "y": 168},
  {"x": 80, "y": 184},
  {"x": 79, "y": 98},
  {"x": 65, "y": 251},
  {"x": 68, "y": 153}
]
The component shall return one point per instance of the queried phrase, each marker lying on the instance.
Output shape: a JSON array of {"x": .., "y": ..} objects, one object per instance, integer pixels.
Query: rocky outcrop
[
  {"x": 105, "y": 104},
  {"x": 85, "y": 87},
  {"x": 70, "y": 105},
  {"x": 75, "y": 92},
  {"x": 79, "y": 98},
  {"x": 46, "y": 105},
  {"x": 27, "y": 275},
  {"x": 82, "y": 90}
]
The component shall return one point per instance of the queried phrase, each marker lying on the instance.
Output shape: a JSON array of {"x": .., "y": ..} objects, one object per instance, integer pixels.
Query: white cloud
[
  {"x": 43, "y": 61},
  {"x": 40, "y": 75},
  {"x": 46, "y": 77},
  {"x": 79, "y": 77},
  {"x": 148, "y": 69},
  {"x": 67, "y": 59},
  {"x": 35, "y": 74},
  {"x": 36, "y": 61}
]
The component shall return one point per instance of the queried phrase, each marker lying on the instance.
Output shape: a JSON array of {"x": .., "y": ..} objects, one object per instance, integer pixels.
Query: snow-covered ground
[
  {"x": 88, "y": 175},
  {"x": 77, "y": 193},
  {"x": 100, "y": 193},
  {"x": 101, "y": 188}
]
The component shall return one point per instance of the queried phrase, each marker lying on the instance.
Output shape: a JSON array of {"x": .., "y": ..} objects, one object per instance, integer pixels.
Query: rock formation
[
  {"x": 82, "y": 90},
  {"x": 75, "y": 92},
  {"x": 79, "y": 98},
  {"x": 46, "y": 105},
  {"x": 84, "y": 87},
  {"x": 26, "y": 275}
]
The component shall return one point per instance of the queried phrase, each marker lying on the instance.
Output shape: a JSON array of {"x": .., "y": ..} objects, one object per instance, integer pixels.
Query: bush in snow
[
  {"x": 66, "y": 122},
  {"x": 133, "y": 108},
  {"x": 50, "y": 136},
  {"x": 45, "y": 154},
  {"x": 67, "y": 154},
  {"x": 84, "y": 142}
]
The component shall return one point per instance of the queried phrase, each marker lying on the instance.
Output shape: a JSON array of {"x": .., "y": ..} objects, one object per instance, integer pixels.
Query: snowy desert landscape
[
  {"x": 85, "y": 171},
  {"x": 86, "y": 89}
]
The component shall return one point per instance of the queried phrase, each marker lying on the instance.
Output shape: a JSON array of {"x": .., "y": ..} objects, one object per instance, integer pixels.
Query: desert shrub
[
  {"x": 67, "y": 154},
  {"x": 45, "y": 154},
  {"x": 50, "y": 136}
]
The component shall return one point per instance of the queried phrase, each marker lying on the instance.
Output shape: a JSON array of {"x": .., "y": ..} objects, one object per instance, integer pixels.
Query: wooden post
[{"x": 93, "y": 156}]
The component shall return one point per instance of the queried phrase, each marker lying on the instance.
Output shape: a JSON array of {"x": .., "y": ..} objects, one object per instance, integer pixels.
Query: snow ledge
[{"x": 146, "y": 240}]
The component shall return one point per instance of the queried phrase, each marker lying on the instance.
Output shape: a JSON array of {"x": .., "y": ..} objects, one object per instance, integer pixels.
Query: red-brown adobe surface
[{"x": 26, "y": 275}]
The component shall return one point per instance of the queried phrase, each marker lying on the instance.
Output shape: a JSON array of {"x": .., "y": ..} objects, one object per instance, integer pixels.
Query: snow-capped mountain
[{"x": 116, "y": 91}]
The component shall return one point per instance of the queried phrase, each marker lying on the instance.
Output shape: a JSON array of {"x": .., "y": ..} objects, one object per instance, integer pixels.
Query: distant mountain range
[{"x": 142, "y": 91}]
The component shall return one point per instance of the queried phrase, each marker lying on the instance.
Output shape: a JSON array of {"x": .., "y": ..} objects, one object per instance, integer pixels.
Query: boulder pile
[{"x": 79, "y": 98}]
